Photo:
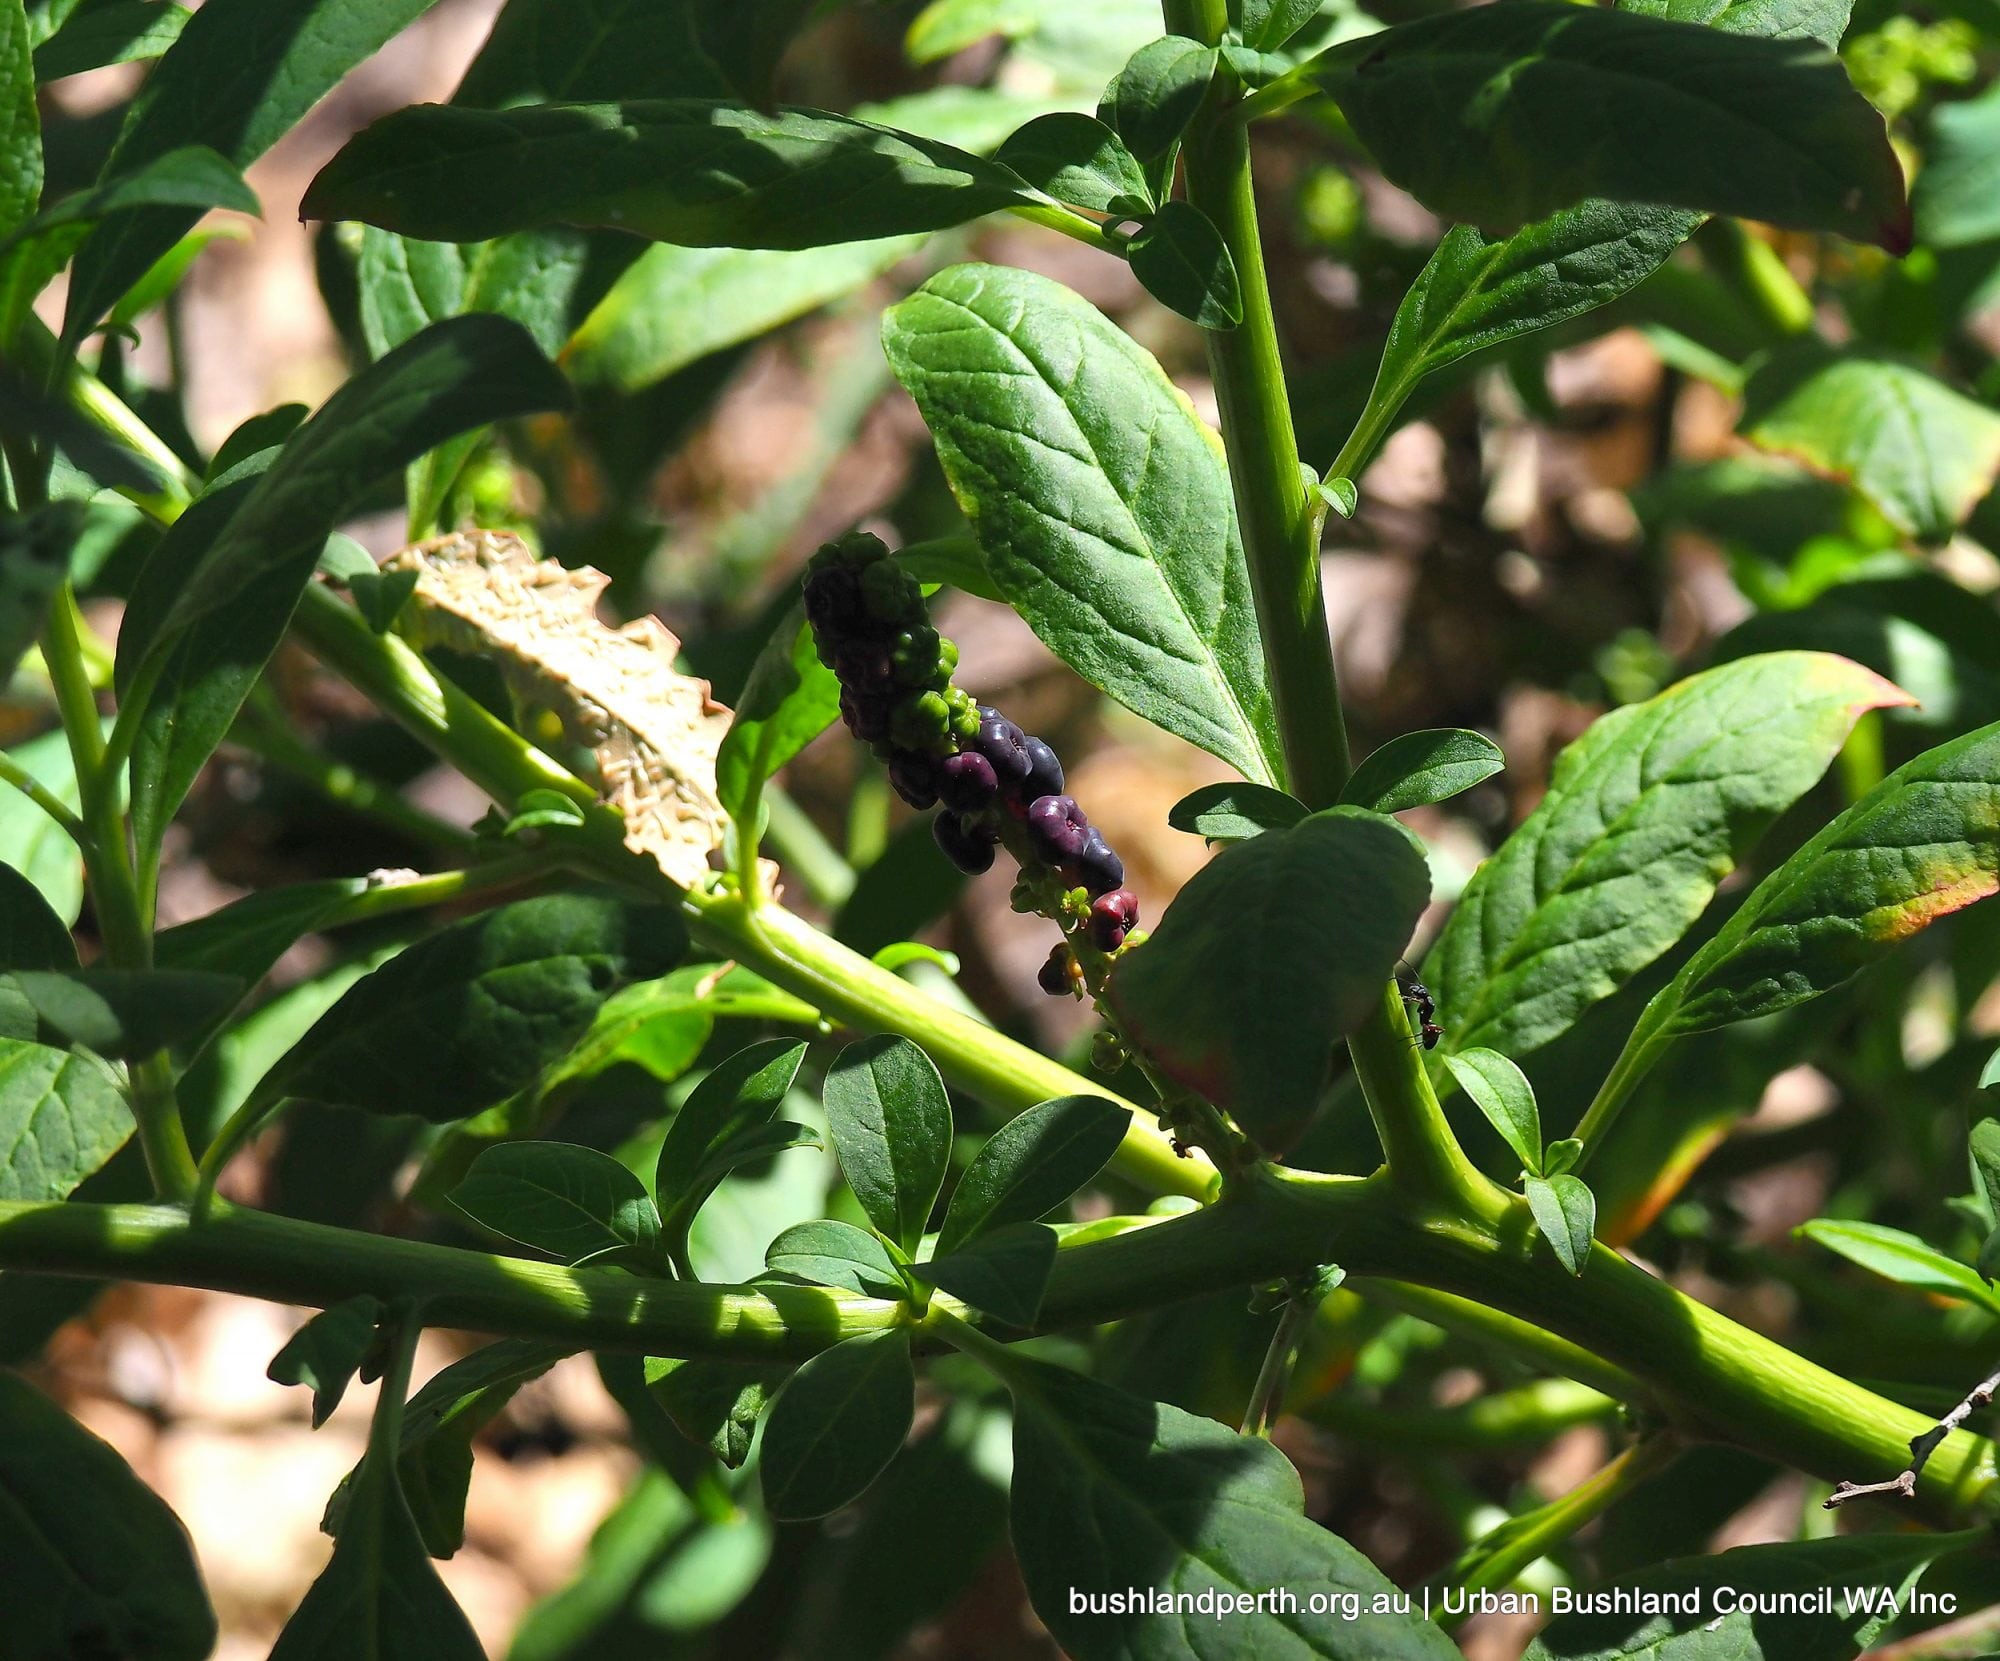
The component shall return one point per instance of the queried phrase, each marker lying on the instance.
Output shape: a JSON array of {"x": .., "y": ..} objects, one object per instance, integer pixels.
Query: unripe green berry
[
  {"x": 921, "y": 722},
  {"x": 1107, "y": 1054},
  {"x": 891, "y": 594},
  {"x": 915, "y": 655},
  {"x": 947, "y": 658}
]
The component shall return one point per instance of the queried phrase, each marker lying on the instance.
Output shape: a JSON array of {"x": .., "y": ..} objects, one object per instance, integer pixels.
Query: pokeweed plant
[{"x": 617, "y": 903}]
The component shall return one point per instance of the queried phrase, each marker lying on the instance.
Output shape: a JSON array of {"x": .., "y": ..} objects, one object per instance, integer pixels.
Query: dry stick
[{"x": 1921, "y": 1448}]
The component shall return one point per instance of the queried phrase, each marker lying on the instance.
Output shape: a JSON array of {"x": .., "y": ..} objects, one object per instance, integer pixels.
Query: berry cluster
[{"x": 996, "y": 783}]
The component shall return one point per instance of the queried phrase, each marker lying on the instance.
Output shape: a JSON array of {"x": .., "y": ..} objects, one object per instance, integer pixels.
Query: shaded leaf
[
  {"x": 1003, "y": 1272},
  {"x": 32, "y": 936},
  {"x": 790, "y": 699},
  {"x": 838, "y": 1421},
  {"x": 123, "y": 31},
  {"x": 715, "y": 1404},
  {"x": 891, "y": 1126},
  {"x": 739, "y": 1096},
  {"x": 1031, "y": 1165},
  {"x": 1419, "y": 768},
  {"x": 1956, "y": 201},
  {"x": 1077, "y": 159},
  {"x": 20, "y": 122},
  {"x": 327, "y": 1351},
  {"x": 1566, "y": 1213},
  {"x": 120, "y": 1013},
  {"x": 1181, "y": 260},
  {"x": 830, "y": 1253},
  {"x": 573, "y": 1203},
  {"x": 1158, "y": 92},
  {"x": 61, "y": 1117}
]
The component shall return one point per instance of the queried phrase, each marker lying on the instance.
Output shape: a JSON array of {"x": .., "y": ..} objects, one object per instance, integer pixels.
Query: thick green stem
[
  {"x": 1425, "y": 1160},
  {"x": 1523, "y": 1416}
]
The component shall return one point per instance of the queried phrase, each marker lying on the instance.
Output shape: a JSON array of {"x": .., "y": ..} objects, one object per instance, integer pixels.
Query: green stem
[
  {"x": 1494, "y": 1562},
  {"x": 1523, "y": 1416},
  {"x": 1267, "y": 1395},
  {"x": 55, "y": 807},
  {"x": 1424, "y": 1157},
  {"x": 1071, "y": 224},
  {"x": 805, "y": 853}
]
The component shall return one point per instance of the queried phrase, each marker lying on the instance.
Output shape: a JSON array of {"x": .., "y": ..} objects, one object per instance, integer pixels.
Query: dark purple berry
[
  {"x": 915, "y": 777},
  {"x": 969, "y": 847},
  {"x": 967, "y": 782},
  {"x": 1057, "y": 976},
  {"x": 1003, "y": 744},
  {"x": 1057, "y": 828},
  {"x": 1097, "y": 868},
  {"x": 866, "y": 714},
  {"x": 1112, "y": 916},
  {"x": 864, "y": 664},
  {"x": 1045, "y": 774},
  {"x": 833, "y": 600}
]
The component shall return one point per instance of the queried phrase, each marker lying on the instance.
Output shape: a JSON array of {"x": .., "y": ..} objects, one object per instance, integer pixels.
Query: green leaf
[
  {"x": 1693, "y": 1630},
  {"x": 1921, "y": 452},
  {"x": 33, "y": 843},
  {"x": 550, "y": 51},
  {"x": 789, "y": 700},
  {"x": 122, "y": 1014},
  {"x": 891, "y": 1126},
  {"x": 110, "y": 1567},
  {"x": 32, "y": 936},
  {"x": 246, "y": 937},
  {"x": 214, "y": 619},
  {"x": 1985, "y": 1147},
  {"x": 688, "y": 171},
  {"x": 740, "y": 1096},
  {"x": 1004, "y": 1273},
  {"x": 715, "y": 1404},
  {"x": 327, "y": 1351},
  {"x": 836, "y": 1425},
  {"x": 1956, "y": 201},
  {"x": 1501, "y": 1091},
  {"x": 1901, "y": 1257},
  {"x": 1422, "y": 767},
  {"x": 1111, "y": 1492},
  {"x": 1077, "y": 159},
  {"x": 191, "y": 177},
  {"x": 1267, "y": 24},
  {"x": 124, "y": 31},
  {"x": 830, "y": 1253},
  {"x": 1276, "y": 949},
  {"x": 573, "y": 1203},
  {"x": 242, "y": 73},
  {"x": 1502, "y": 116},
  {"x": 378, "y": 1599},
  {"x": 1158, "y": 92},
  {"x": 474, "y": 1012},
  {"x": 20, "y": 122},
  {"x": 35, "y": 552},
  {"x": 1822, "y": 20},
  {"x": 1566, "y": 1213},
  {"x": 1644, "y": 815},
  {"x": 61, "y": 1117},
  {"x": 1031, "y": 1165},
  {"x": 1100, "y": 499},
  {"x": 1235, "y": 812},
  {"x": 1181, "y": 260},
  {"x": 1922, "y": 844}
]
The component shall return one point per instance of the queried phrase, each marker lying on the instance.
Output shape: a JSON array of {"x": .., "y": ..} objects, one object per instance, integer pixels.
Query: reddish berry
[
  {"x": 1045, "y": 774},
  {"x": 1095, "y": 866},
  {"x": 967, "y": 783},
  {"x": 1057, "y": 828},
  {"x": 1111, "y": 918},
  {"x": 1058, "y": 975},
  {"x": 969, "y": 847}
]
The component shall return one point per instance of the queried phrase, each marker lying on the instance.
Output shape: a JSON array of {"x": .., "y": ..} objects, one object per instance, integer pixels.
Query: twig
[{"x": 1921, "y": 1448}]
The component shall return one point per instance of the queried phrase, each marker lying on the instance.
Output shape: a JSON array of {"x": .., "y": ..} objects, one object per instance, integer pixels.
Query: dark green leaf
[
  {"x": 1181, "y": 260},
  {"x": 29, "y": 413},
  {"x": 327, "y": 1351},
  {"x": 35, "y": 553},
  {"x": 1884, "y": 1566},
  {"x": 573, "y": 1203},
  {"x": 1419, "y": 768},
  {"x": 1267, "y": 24},
  {"x": 1274, "y": 951},
  {"x": 830, "y": 1253},
  {"x": 1501, "y": 115},
  {"x": 20, "y": 123},
  {"x": 891, "y": 1126},
  {"x": 1644, "y": 815},
  {"x": 1566, "y": 1213},
  {"x": 1922, "y": 452},
  {"x": 839, "y": 1420},
  {"x": 689, "y": 171},
  {"x": 1076, "y": 158},
  {"x": 120, "y": 1013},
  {"x": 715, "y": 1404},
  {"x": 1234, "y": 812},
  {"x": 1501, "y": 1091},
  {"x": 1101, "y": 500},
  {"x": 1031, "y": 1164},
  {"x": 741, "y": 1095},
  {"x": 1985, "y": 1147},
  {"x": 790, "y": 699},
  {"x": 61, "y": 1117},
  {"x": 473, "y": 1013},
  {"x": 247, "y": 936},
  {"x": 31, "y": 935},
  {"x": 238, "y": 78},
  {"x": 1112, "y": 1492},
  {"x": 125, "y": 31},
  {"x": 1004, "y": 1272},
  {"x": 264, "y": 431},
  {"x": 553, "y": 51},
  {"x": 1901, "y": 1257},
  {"x": 216, "y": 621},
  {"x": 1158, "y": 92},
  {"x": 110, "y": 1568},
  {"x": 1822, "y": 20},
  {"x": 1956, "y": 201},
  {"x": 1922, "y": 844},
  {"x": 191, "y": 177}
]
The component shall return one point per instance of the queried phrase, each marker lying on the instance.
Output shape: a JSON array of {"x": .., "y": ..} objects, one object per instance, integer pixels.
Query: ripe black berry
[
  {"x": 915, "y": 778},
  {"x": 969, "y": 847},
  {"x": 833, "y": 601},
  {"x": 1045, "y": 774},
  {"x": 967, "y": 782},
  {"x": 1111, "y": 918},
  {"x": 1003, "y": 744},
  {"x": 1058, "y": 975},
  {"x": 1057, "y": 828},
  {"x": 1096, "y": 866}
]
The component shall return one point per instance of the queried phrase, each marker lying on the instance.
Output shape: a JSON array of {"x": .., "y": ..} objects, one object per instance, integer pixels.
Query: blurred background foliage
[{"x": 1553, "y": 530}]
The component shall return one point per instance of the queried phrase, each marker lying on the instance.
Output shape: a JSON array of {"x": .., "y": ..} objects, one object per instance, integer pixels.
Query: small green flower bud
[{"x": 1107, "y": 1054}]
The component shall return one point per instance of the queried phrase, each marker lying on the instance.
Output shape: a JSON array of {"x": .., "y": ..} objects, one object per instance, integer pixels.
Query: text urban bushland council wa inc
[{"x": 1718, "y": 1602}]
